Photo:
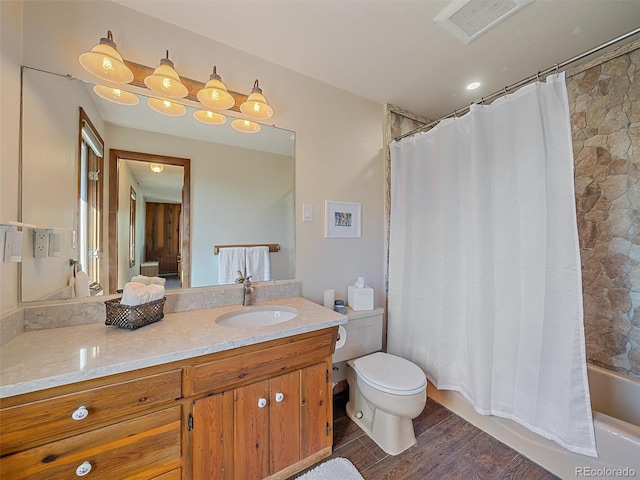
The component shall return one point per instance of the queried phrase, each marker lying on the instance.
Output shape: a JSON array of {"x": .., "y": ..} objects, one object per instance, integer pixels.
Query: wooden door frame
[{"x": 114, "y": 165}]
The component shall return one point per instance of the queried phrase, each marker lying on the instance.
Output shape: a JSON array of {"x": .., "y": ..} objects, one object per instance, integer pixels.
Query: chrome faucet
[{"x": 248, "y": 291}]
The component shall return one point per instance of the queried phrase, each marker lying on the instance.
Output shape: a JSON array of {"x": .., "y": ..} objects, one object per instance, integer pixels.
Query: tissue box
[{"x": 360, "y": 298}]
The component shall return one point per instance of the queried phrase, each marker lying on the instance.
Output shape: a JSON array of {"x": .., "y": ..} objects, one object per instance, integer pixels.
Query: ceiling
[{"x": 392, "y": 51}]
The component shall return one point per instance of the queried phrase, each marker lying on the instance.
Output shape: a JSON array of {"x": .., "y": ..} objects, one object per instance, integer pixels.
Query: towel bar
[{"x": 273, "y": 247}]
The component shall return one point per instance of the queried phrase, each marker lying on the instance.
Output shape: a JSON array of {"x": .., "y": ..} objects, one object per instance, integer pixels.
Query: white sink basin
[{"x": 257, "y": 316}]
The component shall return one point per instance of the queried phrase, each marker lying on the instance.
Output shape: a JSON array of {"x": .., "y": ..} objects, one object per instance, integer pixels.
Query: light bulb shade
[
  {"x": 165, "y": 80},
  {"x": 116, "y": 95},
  {"x": 245, "y": 126},
  {"x": 104, "y": 62},
  {"x": 215, "y": 95},
  {"x": 256, "y": 105},
  {"x": 210, "y": 118},
  {"x": 167, "y": 107},
  {"x": 156, "y": 167}
]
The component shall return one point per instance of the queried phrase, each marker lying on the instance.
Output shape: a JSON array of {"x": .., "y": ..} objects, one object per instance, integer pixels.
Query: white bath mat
[{"x": 337, "y": 468}]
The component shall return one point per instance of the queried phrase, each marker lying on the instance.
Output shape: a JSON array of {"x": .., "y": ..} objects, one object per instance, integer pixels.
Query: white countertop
[{"x": 43, "y": 359}]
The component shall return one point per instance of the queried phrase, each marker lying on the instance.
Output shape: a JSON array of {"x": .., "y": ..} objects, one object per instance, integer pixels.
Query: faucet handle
[
  {"x": 248, "y": 278},
  {"x": 240, "y": 278}
]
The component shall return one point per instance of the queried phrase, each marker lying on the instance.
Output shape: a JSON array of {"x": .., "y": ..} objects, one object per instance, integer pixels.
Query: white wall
[
  {"x": 10, "y": 61},
  {"x": 338, "y": 135},
  {"x": 50, "y": 175}
]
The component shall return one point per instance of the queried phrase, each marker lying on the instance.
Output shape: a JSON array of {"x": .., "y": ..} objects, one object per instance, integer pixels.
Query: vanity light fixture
[
  {"x": 215, "y": 94},
  {"x": 116, "y": 95},
  {"x": 167, "y": 107},
  {"x": 156, "y": 167},
  {"x": 165, "y": 80},
  {"x": 256, "y": 106},
  {"x": 105, "y": 62},
  {"x": 245, "y": 126},
  {"x": 211, "y": 118}
]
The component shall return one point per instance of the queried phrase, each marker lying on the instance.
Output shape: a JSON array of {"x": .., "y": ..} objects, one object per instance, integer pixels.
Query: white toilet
[{"x": 386, "y": 392}]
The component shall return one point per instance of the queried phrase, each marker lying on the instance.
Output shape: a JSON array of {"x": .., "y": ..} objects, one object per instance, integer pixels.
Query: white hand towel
[
  {"x": 134, "y": 293},
  {"x": 230, "y": 260},
  {"x": 157, "y": 281},
  {"x": 258, "y": 264},
  {"x": 156, "y": 292},
  {"x": 82, "y": 285},
  {"x": 140, "y": 279}
]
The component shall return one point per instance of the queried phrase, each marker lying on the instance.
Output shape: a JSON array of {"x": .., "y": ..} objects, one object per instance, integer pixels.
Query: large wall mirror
[{"x": 239, "y": 189}]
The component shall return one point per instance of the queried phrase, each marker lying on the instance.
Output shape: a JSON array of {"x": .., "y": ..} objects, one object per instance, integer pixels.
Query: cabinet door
[
  {"x": 212, "y": 453},
  {"x": 284, "y": 421},
  {"x": 316, "y": 411},
  {"x": 251, "y": 433}
]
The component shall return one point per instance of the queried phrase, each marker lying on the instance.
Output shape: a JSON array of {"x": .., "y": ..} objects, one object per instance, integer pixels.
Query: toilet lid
[{"x": 390, "y": 374}]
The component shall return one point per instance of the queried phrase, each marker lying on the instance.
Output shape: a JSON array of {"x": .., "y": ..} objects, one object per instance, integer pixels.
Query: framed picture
[{"x": 342, "y": 219}]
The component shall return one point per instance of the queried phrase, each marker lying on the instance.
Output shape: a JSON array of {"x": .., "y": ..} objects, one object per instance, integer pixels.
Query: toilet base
[
  {"x": 386, "y": 419},
  {"x": 391, "y": 433}
]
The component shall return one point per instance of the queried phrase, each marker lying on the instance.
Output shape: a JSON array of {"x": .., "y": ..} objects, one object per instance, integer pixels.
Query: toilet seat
[{"x": 390, "y": 374}]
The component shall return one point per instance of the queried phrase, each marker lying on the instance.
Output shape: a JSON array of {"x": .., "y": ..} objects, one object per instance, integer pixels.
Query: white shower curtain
[{"x": 485, "y": 289}]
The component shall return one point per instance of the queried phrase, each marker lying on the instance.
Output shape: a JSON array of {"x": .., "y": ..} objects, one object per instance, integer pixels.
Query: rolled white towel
[
  {"x": 157, "y": 281},
  {"x": 156, "y": 292},
  {"x": 140, "y": 279},
  {"x": 134, "y": 293}
]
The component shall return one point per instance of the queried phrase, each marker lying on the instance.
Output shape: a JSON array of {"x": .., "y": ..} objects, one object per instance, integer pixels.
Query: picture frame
[{"x": 342, "y": 219}]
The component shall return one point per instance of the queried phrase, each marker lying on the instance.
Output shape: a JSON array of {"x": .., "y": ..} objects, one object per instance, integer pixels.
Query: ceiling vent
[{"x": 468, "y": 19}]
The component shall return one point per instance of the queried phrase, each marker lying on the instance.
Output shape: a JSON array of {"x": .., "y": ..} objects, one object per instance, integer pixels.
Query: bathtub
[{"x": 615, "y": 400}]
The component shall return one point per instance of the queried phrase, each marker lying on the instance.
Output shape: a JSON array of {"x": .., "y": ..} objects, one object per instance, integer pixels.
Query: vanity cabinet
[
  {"x": 145, "y": 448},
  {"x": 118, "y": 427},
  {"x": 258, "y": 411},
  {"x": 265, "y": 428}
]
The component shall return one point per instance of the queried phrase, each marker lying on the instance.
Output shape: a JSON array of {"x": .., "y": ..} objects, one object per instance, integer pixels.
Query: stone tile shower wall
[{"x": 605, "y": 121}]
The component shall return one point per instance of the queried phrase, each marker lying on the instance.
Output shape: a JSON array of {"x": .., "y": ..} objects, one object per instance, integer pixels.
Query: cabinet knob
[
  {"x": 279, "y": 397},
  {"x": 262, "y": 402},
  {"x": 83, "y": 469},
  {"x": 80, "y": 413}
]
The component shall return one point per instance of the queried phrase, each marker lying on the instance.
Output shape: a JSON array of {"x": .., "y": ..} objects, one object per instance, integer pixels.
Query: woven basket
[{"x": 129, "y": 317}]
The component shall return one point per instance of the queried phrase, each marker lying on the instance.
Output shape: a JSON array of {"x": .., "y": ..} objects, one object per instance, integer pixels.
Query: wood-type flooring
[{"x": 448, "y": 448}]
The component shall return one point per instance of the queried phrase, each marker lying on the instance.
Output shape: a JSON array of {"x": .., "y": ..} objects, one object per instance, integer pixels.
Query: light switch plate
[{"x": 307, "y": 212}]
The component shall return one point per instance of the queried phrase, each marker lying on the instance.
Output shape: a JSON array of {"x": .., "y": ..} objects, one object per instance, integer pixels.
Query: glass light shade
[
  {"x": 210, "y": 118},
  {"x": 215, "y": 95},
  {"x": 167, "y": 107},
  {"x": 165, "y": 80},
  {"x": 245, "y": 126},
  {"x": 104, "y": 62},
  {"x": 256, "y": 105},
  {"x": 116, "y": 95},
  {"x": 156, "y": 167}
]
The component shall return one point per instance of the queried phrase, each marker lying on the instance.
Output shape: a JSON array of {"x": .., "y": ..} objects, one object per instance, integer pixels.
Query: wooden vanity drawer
[
  {"x": 25, "y": 426},
  {"x": 147, "y": 447},
  {"x": 226, "y": 372}
]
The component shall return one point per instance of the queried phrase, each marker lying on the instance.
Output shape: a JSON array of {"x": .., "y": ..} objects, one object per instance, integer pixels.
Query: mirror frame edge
[{"x": 185, "y": 245}]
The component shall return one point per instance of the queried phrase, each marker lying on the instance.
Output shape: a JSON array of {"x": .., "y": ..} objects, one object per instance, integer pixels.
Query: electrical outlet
[{"x": 40, "y": 243}]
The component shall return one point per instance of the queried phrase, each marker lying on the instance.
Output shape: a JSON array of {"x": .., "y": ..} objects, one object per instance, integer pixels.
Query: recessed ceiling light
[{"x": 473, "y": 86}]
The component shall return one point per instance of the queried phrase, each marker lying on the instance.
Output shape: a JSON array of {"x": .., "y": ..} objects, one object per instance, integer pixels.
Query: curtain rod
[{"x": 525, "y": 81}]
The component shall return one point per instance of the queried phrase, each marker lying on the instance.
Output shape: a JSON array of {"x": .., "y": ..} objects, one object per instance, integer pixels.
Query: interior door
[{"x": 162, "y": 236}]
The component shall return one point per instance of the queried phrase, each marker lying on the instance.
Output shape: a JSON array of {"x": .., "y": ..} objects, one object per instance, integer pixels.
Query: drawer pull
[
  {"x": 83, "y": 469},
  {"x": 279, "y": 397},
  {"x": 80, "y": 413},
  {"x": 262, "y": 402}
]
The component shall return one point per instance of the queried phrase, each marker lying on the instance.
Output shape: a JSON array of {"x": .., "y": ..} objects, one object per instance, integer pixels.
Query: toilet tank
[{"x": 364, "y": 334}]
